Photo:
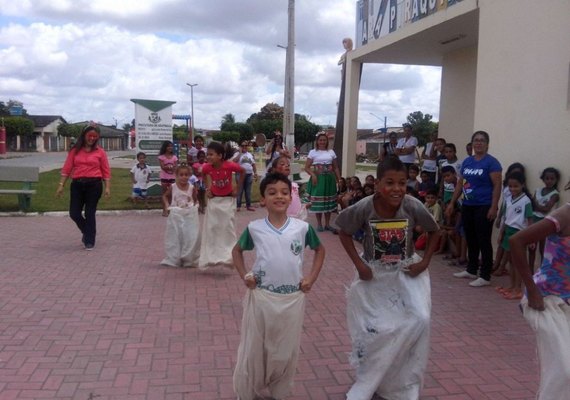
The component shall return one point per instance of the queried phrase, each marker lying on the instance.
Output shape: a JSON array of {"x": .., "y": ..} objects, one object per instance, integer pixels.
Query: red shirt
[
  {"x": 221, "y": 177},
  {"x": 84, "y": 164}
]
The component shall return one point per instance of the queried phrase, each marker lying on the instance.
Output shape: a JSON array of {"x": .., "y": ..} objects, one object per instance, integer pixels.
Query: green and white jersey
[
  {"x": 517, "y": 211},
  {"x": 278, "y": 265}
]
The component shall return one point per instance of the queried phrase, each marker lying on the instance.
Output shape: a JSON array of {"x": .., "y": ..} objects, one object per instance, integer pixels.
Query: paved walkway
[{"x": 113, "y": 324}]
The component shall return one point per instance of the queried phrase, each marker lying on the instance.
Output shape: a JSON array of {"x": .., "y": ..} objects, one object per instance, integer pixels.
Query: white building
[{"x": 505, "y": 70}]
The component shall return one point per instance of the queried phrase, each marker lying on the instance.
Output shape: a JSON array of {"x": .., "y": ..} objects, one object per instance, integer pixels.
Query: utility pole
[
  {"x": 289, "y": 101},
  {"x": 192, "y": 109}
]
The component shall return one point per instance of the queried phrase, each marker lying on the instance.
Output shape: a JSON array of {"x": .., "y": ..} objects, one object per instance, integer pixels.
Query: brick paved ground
[{"x": 113, "y": 324}]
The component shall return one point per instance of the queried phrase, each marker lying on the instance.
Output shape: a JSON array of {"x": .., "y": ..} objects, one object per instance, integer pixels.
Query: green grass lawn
[{"x": 45, "y": 200}]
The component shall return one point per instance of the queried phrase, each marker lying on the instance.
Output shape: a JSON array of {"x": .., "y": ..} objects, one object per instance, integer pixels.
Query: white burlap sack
[
  {"x": 218, "y": 235},
  {"x": 182, "y": 237},
  {"x": 269, "y": 346},
  {"x": 552, "y": 328},
  {"x": 389, "y": 320}
]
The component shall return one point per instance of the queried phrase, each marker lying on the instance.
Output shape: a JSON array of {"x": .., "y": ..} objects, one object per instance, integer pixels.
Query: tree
[
  {"x": 70, "y": 130},
  {"x": 5, "y": 108},
  {"x": 227, "y": 119},
  {"x": 180, "y": 132},
  {"x": 305, "y": 130},
  {"x": 225, "y": 137},
  {"x": 18, "y": 126},
  {"x": 422, "y": 126}
]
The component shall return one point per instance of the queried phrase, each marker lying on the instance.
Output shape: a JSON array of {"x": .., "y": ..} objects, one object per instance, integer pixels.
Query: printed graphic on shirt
[
  {"x": 389, "y": 238},
  {"x": 296, "y": 247}
]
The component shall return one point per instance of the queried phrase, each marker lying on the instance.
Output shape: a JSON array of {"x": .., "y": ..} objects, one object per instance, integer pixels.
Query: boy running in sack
[
  {"x": 274, "y": 307},
  {"x": 389, "y": 302}
]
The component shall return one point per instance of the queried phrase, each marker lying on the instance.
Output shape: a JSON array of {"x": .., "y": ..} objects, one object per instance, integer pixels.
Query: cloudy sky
[{"x": 85, "y": 60}]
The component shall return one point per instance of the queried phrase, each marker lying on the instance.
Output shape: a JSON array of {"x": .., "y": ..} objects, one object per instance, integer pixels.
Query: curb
[{"x": 66, "y": 213}]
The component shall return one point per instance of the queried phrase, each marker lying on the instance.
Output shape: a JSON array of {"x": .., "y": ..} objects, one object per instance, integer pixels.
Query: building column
[{"x": 353, "y": 69}]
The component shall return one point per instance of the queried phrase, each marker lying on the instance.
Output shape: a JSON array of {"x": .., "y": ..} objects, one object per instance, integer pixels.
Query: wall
[
  {"x": 457, "y": 101},
  {"x": 522, "y": 84}
]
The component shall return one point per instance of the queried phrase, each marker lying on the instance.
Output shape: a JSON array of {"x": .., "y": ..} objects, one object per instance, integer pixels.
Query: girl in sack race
[
  {"x": 546, "y": 306},
  {"x": 219, "y": 235},
  {"x": 389, "y": 301},
  {"x": 182, "y": 236}
]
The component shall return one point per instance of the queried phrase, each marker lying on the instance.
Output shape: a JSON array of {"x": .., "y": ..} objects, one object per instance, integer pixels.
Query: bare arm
[
  {"x": 518, "y": 243},
  {"x": 496, "y": 179},
  {"x": 456, "y": 193},
  {"x": 431, "y": 246},
  {"x": 239, "y": 263},
  {"x": 319, "y": 258},
  {"x": 309, "y": 171},
  {"x": 240, "y": 182},
  {"x": 364, "y": 273},
  {"x": 547, "y": 207}
]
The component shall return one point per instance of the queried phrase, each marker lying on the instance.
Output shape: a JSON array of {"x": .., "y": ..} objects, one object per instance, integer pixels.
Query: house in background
[
  {"x": 369, "y": 142},
  {"x": 45, "y": 134}
]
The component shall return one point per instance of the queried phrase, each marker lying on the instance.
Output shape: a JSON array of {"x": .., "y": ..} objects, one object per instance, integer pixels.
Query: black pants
[
  {"x": 85, "y": 194},
  {"x": 478, "y": 231}
]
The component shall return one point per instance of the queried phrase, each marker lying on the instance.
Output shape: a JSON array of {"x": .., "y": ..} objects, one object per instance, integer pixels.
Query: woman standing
[
  {"x": 276, "y": 149},
  {"x": 481, "y": 177},
  {"x": 322, "y": 166},
  {"x": 88, "y": 167}
]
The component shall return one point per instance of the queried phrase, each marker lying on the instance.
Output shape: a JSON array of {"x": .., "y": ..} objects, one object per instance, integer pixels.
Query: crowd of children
[{"x": 385, "y": 214}]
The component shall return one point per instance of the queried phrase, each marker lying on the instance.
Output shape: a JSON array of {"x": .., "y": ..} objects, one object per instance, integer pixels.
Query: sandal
[
  {"x": 320, "y": 229},
  {"x": 500, "y": 272},
  {"x": 449, "y": 257}
]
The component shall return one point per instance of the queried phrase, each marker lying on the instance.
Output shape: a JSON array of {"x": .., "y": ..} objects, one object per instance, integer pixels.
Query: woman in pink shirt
[{"x": 88, "y": 167}]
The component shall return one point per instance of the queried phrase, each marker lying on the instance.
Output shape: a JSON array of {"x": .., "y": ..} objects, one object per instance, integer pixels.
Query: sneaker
[
  {"x": 89, "y": 246},
  {"x": 464, "y": 274},
  {"x": 479, "y": 282}
]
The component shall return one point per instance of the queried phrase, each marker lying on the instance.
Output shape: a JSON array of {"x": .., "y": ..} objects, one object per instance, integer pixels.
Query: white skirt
[
  {"x": 268, "y": 351},
  {"x": 218, "y": 234},
  {"x": 182, "y": 237},
  {"x": 552, "y": 328},
  {"x": 389, "y": 321}
]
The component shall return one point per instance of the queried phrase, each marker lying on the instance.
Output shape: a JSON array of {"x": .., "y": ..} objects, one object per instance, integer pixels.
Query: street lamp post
[
  {"x": 289, "y": 108},
  {"x": 192, "y": 108}
]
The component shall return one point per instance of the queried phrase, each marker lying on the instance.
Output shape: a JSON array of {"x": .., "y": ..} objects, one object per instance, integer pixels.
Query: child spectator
[
  {"x": 412, "y": 182},
  {"x": 517, "y": 213},
  {"x": 168, "y": 162},
  {"x": 194, "y": 150},
  {"x": 140, "y": 175},
  {"x": 219, "y": 235},
  {"x": 428, "y": 156},
  {"x": 274, "y": 305},
  {"x": 341, "y": 191},
  {"x": 426, "y": 185},
  {"x": 501, "y": 261},
  {"x": 182, "y": 236},
  {"x": 388, "y": 305},
  {"x": 450, "y": 153},
  {"x": 297, "y": 208},
  {"x": 368, "y": 189},
  {"x": 543, "y": 201},
  {"x": 200, "y": 185},
  {"x": 452, "y": 228},
  {"x": 434, "y": 209},
  {"x": 547, "y": 304},
  {"x": 369, "y": 180},
  {"x": 247, "y": 161}
]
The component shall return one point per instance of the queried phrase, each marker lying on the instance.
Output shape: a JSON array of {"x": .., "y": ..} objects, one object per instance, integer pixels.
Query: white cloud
[{"x": 86, "y": 59}]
